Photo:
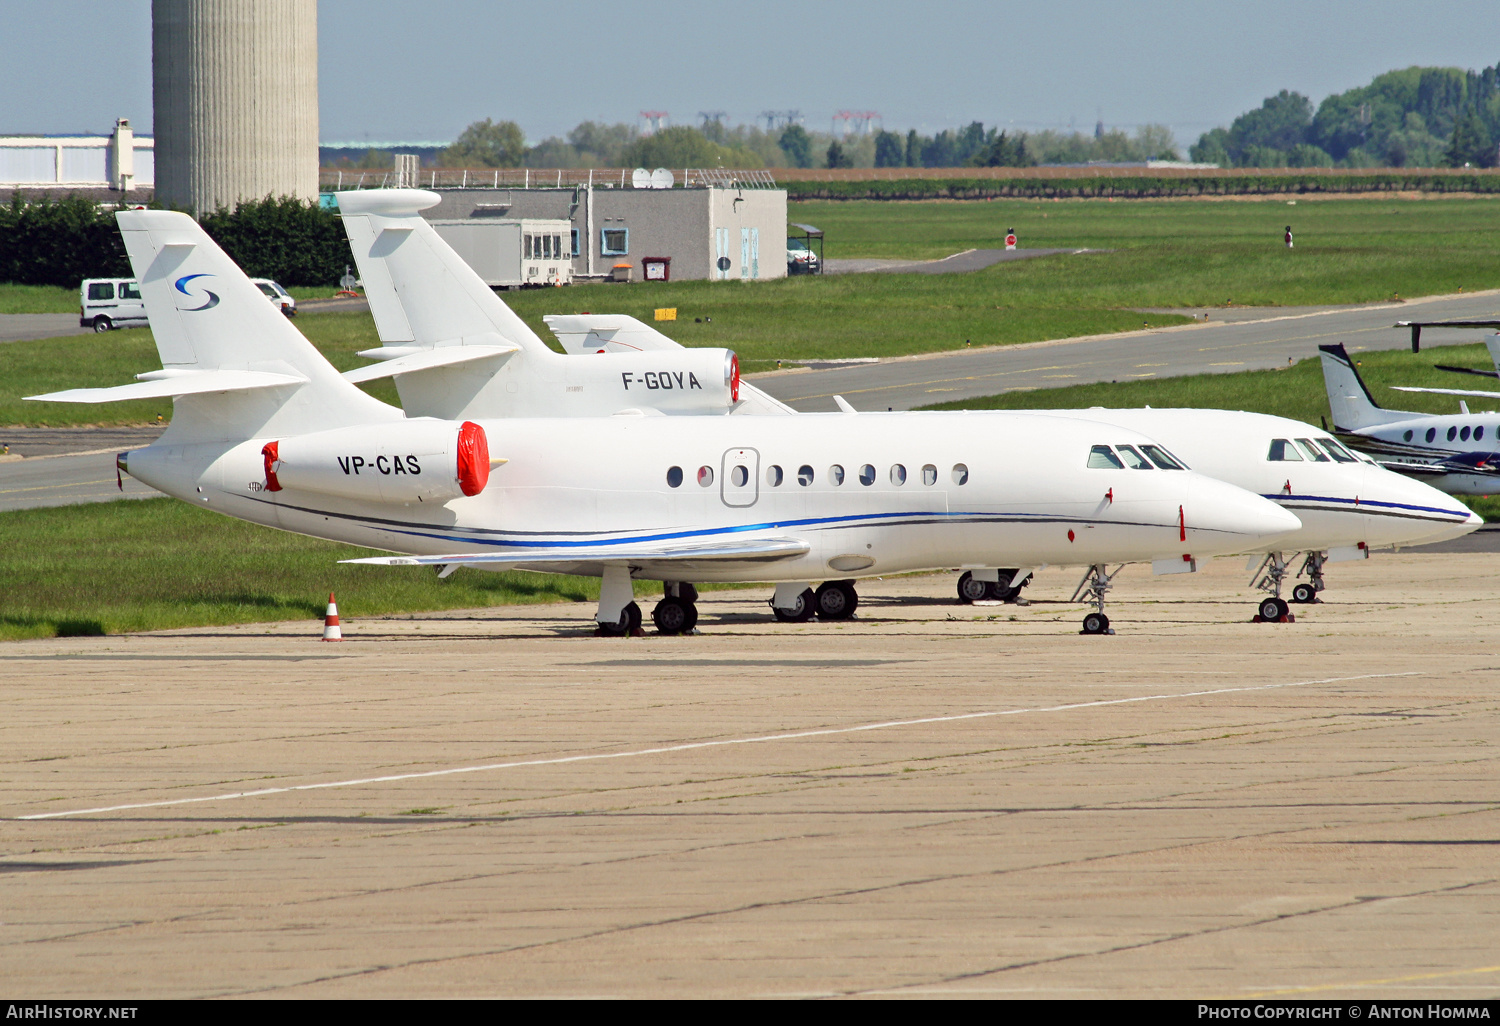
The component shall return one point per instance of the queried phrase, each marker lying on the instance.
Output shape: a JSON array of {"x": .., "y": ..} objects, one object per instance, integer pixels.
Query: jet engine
[{"x": 406, "y": 462}]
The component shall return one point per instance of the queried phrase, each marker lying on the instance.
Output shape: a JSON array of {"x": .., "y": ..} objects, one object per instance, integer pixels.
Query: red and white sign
[{"x": 1010, "y": 241}]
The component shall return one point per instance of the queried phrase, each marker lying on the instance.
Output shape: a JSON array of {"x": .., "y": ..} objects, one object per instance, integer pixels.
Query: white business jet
[
  {"x": 412, "y": 280},
  {"x": 265, "y": 430},
  {"x": 1457, "y": 452}
]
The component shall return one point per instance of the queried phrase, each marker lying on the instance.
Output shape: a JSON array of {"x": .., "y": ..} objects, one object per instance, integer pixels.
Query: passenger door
[{"x": 739, "y": 482}]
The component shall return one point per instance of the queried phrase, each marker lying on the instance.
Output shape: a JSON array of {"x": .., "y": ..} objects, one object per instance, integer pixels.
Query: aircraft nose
[
  {"x": 1231, "y": 519},
  {"x": 1428, "y": 502}
]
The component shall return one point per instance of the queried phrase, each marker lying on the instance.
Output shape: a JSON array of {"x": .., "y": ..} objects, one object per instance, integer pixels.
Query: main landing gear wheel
[
  {"x": 806, "y": 604},
  {"x": 1273, "y": 610},
  {"x": 836, "y": 600},
  {"x": 1304, "y": 593},
  {"x": 675, "y": 615},
  {"x": 1096, "y": 623},
  {"x": 971, "y": 590},
  {"x": 630, "y": 622}
]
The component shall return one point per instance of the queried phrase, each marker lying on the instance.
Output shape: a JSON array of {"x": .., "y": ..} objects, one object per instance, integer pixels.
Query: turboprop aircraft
[
  {"x": 264, "y": 429},
  {"x": 1458, "y": 453},
  {"x": 411, "y": 280}
]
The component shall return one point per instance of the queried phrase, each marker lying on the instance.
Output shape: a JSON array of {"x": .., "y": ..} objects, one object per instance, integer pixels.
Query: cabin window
[
  {"x": 1431, "y": 433},
  {"x": 740, "y": 475},
  {"x": 705, "y": 476},
  {"x": 1133, "y": 459},
  {"x": 867, "y": 475},
  {"x": 804, "y": 475},
  {"x": 1479, "y": 432},
  {"x": 960, "y": 474},
  {"x": 1313, "y": 452},
  {"x": 1162, "y": 458},
  {"x": 1406, "y": 437},
  {"x": 1464, "y": 434},
  {"x": 929, "y": 475},
  {"x": 1336, "y": 450},
  {"x": 773, "y": 476},
  {"x": 836, "y": 474},
  {"x": 1102, "y": 457},
  {"x": 674, "y": 477},
  {"x": 898, "y": 474},
  {"x": 102, "y": 290},
  {"x": 1283, "y": 450}
]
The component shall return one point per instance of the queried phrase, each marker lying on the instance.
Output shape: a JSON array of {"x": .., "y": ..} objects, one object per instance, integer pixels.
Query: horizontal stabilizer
[
  {"x": 1447, "y": 391},
  {"x": 163, "y": 383},
  {"x": 425, "y": 359},
  {"x": 764, "y": 550}
]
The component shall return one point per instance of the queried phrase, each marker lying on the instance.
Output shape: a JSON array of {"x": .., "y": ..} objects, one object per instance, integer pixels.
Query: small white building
[
  {"x": 120, "y": 161},
  {"x": 509, "y": 253},
  {"x": 718, "y": 225}
]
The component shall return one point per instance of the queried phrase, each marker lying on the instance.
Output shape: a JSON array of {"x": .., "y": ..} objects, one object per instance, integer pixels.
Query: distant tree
[
  {"x": 1212, "y": 147},
  {"x": 913, "y": 149},
  {"x": 970, "y": 141},
  {"x": 1279, "y": 123},
  {"x": 1156, "y": 142},
  {"x": 678, "y": 146},
  {"x": 1470, "y": 143},
  {"x": 889, "y": 150},
  {"x": 837, "y": 157},
  {"x": 1308, "y": 155},
  {"x": 602, "y": 145},
  {"x": 940, "y": 150},
  {"x": 797, "y": 145},
  {"x": 1004, "y": 151},
  {"x": 486, "y": 144}
]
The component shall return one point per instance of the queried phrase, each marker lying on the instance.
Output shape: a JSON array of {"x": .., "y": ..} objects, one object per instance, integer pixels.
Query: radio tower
[{"x": 653, "y": 121}]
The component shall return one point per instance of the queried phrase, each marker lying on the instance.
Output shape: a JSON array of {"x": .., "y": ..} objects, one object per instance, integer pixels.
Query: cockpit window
[
  {"x": 1102, "y": 457},
  {"x": 1133, "y": 459},
  {"x": 1162, "y": 459},
  {"x": 1283, "y": 451},
  {"x": 1313, "y": 452},
  {"x": 1336, "y": 450}
]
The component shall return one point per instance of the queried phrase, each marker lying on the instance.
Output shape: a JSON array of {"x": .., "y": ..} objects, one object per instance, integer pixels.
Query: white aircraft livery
[
  {"x": 1457, "y": 452},
  {"x": 264, "y": 429},
  {"x": 1348, "y": 506}
]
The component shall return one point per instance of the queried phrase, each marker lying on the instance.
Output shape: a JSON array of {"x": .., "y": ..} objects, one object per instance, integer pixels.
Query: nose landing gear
[
  {"x": 1270, "y": 576},
  {"x": 1095, "y": 583}
]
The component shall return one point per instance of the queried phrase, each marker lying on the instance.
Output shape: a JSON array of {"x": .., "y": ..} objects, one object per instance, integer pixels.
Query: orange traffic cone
[{"x": 331, "y": 630}]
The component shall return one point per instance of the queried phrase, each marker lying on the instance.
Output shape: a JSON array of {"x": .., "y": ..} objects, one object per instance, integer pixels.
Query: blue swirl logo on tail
[{"x": 213, "y": 297}]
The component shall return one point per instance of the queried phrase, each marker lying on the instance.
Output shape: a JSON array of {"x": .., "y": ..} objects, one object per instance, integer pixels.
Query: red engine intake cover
[
  {"x": 473, "y": 458},
  {"x": 734, "y": 377},
  {"x": 270, "y": 455}
]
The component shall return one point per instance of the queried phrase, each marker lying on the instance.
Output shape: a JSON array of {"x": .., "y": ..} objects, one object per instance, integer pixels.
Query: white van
[
  {"x": 116, "y": 302},
  {"x": 106, "y": 303}
]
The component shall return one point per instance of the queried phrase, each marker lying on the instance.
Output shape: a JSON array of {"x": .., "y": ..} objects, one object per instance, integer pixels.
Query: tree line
[
  {"x": 502, "y": 144},
  {"x": 1415, "y": 117}
]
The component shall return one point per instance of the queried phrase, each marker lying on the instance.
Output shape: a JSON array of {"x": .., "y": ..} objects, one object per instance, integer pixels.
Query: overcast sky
[{"x": 402, "y": 71}]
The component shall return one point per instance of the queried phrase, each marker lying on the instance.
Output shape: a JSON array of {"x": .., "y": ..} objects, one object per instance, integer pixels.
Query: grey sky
[{"x": 401, "y": 71}]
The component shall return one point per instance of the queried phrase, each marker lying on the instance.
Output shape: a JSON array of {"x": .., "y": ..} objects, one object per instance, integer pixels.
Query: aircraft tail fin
[
  {"x": 234, "y": 365},
  {"x": 1493, "y": 345},
  {"x": 1349, "y": 400},
  {"x": 420, "y": 291}
]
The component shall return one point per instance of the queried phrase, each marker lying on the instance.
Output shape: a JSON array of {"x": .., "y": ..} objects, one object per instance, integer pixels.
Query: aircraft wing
[
  {"x": 1447, "y": 391},
  {"x": 761, "y": 550},
  {"x": 172, "y": 382}
]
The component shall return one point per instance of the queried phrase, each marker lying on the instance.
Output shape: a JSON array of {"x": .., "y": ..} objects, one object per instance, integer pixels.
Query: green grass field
[{"x": 154, "y": 564}]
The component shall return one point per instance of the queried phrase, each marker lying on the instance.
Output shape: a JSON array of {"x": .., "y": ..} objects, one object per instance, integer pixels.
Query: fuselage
[
  {"x": 1342, "y": 499},
  {"x": 870, "y": 493}
]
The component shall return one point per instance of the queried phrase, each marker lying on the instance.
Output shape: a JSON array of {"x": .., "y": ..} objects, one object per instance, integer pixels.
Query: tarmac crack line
[
  {"x": 1182, "y": 935},
  {"x": 697, "y": 745}
]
